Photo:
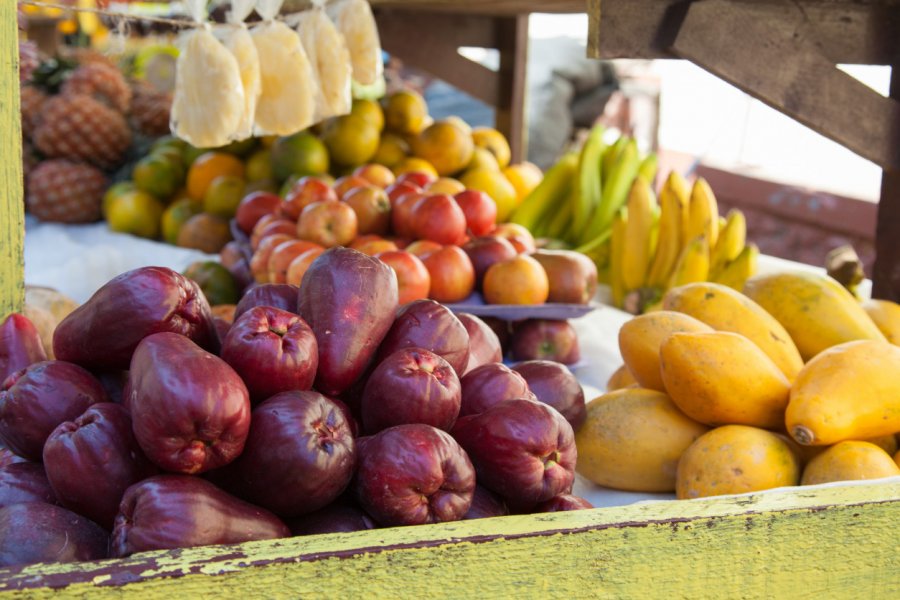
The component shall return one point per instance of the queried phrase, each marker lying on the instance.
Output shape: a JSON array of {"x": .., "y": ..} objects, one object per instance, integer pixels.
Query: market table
[{"x": 819, "y": 541}]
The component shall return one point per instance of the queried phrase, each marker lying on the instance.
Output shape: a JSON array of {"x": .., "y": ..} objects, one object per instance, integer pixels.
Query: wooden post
[
  {"x": 12, "y": 210},
  {"x": 512, "y": 41},
  {"x": 886, "y": 273}
]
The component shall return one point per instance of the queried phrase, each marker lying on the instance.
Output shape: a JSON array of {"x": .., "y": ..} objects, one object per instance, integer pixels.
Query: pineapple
[
  {"x": 150, "y": 109},
  {"x": 79, "y": 127},
  {"x": 65, "y": 191},
  {"x": 29, "y": 59},
  {"x": 102, "y": 82},
  {"x": 31, "y": 100}
]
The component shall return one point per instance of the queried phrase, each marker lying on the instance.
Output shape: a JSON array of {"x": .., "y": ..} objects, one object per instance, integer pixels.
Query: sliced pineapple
[
  {"x": 238, "y": 41},
  {"x": 208, "y": 104},
  {"x": 330, "y": 60},
  {"x": 287, "y": 101},
  {"x": 355, "y": 21}
]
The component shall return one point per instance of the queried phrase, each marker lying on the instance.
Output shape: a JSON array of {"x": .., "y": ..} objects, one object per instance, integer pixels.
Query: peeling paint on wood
[
  {"x": 800, "y": 542},
  {"x": 12, "y": 210}
]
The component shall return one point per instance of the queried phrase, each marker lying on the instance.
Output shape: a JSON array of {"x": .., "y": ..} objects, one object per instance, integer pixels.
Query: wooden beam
[
  {"x": 512, "y": 41},
  {"x": 487, "y": 7},
  {"x": 886, "y": 273},
  {"x": 12, "y": 210},
  {"x": 777, "y": 62},
  {"x": 846, "y": 31}
]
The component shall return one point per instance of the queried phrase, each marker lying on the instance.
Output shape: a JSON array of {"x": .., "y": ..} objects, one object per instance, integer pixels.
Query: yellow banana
[
  {"x": 615, "y": 190},
  {"x": 589, "y": 186},
  {"x": 550, "y": 192},
  {"x": 616, "y": 256},
  {"x": 673, "y": 202},
  {"x": 693, "y": 263},
  {"x": 738, "y": 271},
  {"x": 722, "y": 223},
  {"x": 703, "y": 214},
  {"x": 648, "y": 167},
  {"x": 732, "y": 238},
  {"x": 636, "y": 258},
  {"x": 612, "y": 153}
]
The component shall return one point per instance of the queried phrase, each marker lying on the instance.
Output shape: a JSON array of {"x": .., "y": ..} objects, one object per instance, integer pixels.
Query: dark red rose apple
[
  {"x": 413, "y": 474},
  {"x": 484, "y": 345},
  {"x": 114, "y": 383},
  {"x": 489, "y": 385},
  {"x": 92, "y": 460},
  {"x": 563, "y": 502},
  {"x": 486, "y": 503},
  {"x": 432, "y": 326},
  {"x": 334, "y": 518},
  {"x": 552, "y": 383},
  {"x": 439, "y": 218},
  {"x": 485, "y": 251},
  {"x": 545, "y": 339},
  {"x": 38, "y": 532},
  {"x": 276, "y": 295},
  {"x": 24, "y": 482},
  {"x": 177, "y": 511},
  {"x": 273, "y": 351},
  {"x": 502, "y": 329},
  {"x": 103, "y": 332},
  {"x": 522, "y": 450},
  {"x": 190, "y": 411},
  {"x": 37, "y": 399},
  {"x": 299, "y": 456},
  {"x": 8, "y": 457},
  {"x": 349, "y": 300},
  {"x": 20, "y": 345},
  {"x": 411, "y": 385}
]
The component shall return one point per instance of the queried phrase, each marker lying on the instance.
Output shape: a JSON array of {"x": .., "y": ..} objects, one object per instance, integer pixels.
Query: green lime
[
  {"x": 299, "y": 154},
  {"x": 159, "y": 175},
  {"x": 223, "y": 195},
  {"x": 176, "y": 215},
  {"x": 216, "y": 281},
  {"x": 259, "y": 166}
]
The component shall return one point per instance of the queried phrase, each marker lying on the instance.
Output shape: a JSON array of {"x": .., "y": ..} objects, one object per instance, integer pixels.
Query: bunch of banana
[
  {"x": 680, "y": 240},
  {"x": 577, "y": 200}
]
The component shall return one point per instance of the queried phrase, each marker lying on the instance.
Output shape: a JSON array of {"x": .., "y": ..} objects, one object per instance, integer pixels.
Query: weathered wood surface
[
  {"x": 487, "y": 7},
  {"x": 12, "y": 210},
  {"x": 779, "y": 62},
  {"x": 512, "y": 42},
  {"x": 886, "y": 274},
  {"x": 794, "y": 543}
]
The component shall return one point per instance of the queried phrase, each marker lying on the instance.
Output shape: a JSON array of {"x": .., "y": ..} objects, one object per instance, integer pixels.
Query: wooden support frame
[{"x": 429, "y": 40}]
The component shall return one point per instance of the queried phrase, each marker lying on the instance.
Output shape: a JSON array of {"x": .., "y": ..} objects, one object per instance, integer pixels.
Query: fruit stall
[{"x": 740, "y": 435}]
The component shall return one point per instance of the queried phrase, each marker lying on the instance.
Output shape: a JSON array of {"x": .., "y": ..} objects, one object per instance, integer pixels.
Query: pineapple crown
[{"x": 52, "y": 73}]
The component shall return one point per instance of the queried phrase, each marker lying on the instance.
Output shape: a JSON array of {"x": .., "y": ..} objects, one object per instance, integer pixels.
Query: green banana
[
  {"x": 612, "y": 153},
  {"x": 549, "y": 192},
  {"x": 648, "y": 168},
  {"x": 589, "y": 187},
  {"x": 560, "y": 223},
  {"x": 615, "y": 191}
]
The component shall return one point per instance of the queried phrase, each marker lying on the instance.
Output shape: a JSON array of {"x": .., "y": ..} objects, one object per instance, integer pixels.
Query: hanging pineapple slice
[
  {"x": 330, "y": 61},
  {"x": 236, "y": 38},
  {"x": 355, "y": 21},
  {"x": 287, "y": 100},
  {"x": 208, "y": 103}
]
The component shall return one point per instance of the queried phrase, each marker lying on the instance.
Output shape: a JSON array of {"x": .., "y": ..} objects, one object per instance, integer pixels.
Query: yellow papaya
[
  {"x": 817, "y": 311},
  {"x": 632, "y": 440},
  {"x": 726, "y": 309},
  {"x": 849, "y": 461},
  {"x": 723, "y": 378},
  {"x": 886, "y": 316},
  {"x": 848, "y": 392},
  {"x": 640, "y": 338}
]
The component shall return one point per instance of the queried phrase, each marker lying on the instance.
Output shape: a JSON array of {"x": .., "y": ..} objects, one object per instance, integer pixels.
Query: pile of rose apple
[
  {"x": 328, "y": 407},
  {"x": 442, "y": 239}
]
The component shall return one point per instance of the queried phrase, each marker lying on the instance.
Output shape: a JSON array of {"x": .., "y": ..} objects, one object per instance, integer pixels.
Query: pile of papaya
[{"x": 792, "y": 382}]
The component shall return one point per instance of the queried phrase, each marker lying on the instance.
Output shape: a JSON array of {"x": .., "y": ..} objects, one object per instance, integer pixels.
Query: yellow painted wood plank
[
  {"x": 801, "y": 543},
  {"x": 12, "y": 211}
]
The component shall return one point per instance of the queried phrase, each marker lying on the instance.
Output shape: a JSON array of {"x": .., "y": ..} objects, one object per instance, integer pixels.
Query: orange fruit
[
  {"x": 411, "y": 164},
  {"x": 446, "y": 146},
  {"x": 524, "y": 177},
  {"x": 113, "y": 192},
  {"x": 391, "y": 150},
  {"x": 259, "y": 166},
  {"x": 299, "y": 154},
  {"x": 405, "y": 112},
  {"x": 223, "y": 195},
  {"x": 158, "y": 174},
  {"x": 135, "y": 212},
  {"x": 216, "y": 282},
  {"x": 445, "y": 185},
  {"x": 495, "y": 185},
  {"x": 177, "y": 215},
  {"x": 204, "y": 232},
  {"x": 369, "y": 110},
  {"x": 207, "y": 167},
  {"x": 493, "y": 141},
  {"x": 483, "y": 159},
  {"x": 518, "y": 280},
  {"x": 351, "y": 139}
]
